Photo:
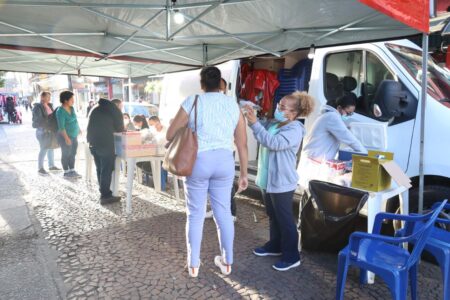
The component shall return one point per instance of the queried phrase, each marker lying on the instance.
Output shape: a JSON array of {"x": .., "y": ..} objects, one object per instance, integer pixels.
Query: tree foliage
[{"x": 2, "y": 79}]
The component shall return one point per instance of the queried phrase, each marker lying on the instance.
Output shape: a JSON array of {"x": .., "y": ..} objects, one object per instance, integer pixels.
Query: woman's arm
[
  {"x": 66, "y": 137},
  {"x": 240, "y": 139},
  {"x": 181, "y": 120},
  {"x": 285, "y": 139},
  {"x": 338, "y": 129},
  {"x": 61, "y": 119}
]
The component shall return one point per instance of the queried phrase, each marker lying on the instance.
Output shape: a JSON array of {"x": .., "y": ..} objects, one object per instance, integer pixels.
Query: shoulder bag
[{"x": 182, "y": 151}]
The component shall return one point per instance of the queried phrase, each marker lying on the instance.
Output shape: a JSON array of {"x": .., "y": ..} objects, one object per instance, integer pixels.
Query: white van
[{"x": 385, "y": 76}]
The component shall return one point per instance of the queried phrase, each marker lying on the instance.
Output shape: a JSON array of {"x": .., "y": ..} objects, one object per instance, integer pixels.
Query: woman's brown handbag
[{"x": 182, "y": 151}]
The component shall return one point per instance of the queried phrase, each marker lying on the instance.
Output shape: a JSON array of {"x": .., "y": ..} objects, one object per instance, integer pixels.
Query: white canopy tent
[{"x": 138, "y": 38}]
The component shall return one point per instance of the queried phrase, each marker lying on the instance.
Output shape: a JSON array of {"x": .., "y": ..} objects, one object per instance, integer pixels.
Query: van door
[{"x": 360, "y": 72}]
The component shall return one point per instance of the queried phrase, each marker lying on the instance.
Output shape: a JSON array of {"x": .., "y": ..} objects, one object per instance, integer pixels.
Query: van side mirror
[{"x": 390, "y": 100}]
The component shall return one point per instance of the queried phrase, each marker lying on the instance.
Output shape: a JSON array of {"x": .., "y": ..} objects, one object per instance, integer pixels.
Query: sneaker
[
  {"x": 261, "y": 251},
  {"x": 224, "y": 268},
  {"x": 54, "y": 169},
  {"x": 108, "y": 200},
  {"x": 209, "y": 214},
  {"x": 234, "y": 219},
  {"x": 69, "y": 175},
  {"x": 193, "y": 272},
  {"x": 284, "y": 266},
  {"x": 75, "y": 174},
  {"x": 42, "y": 172}
]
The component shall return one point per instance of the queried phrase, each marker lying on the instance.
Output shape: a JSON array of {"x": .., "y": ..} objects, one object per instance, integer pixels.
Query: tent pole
[
  {"x": 423, "y": 99},
  {"x": 130, "y": 92},
  {"x": 205, "y": 55}
]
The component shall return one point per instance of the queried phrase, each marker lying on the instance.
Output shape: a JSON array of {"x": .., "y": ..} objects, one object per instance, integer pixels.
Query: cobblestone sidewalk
[{"x": 104, "y": 254}]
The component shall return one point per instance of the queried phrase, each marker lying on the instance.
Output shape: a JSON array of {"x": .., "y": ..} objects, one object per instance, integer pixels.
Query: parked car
[{"x": 137, "y": 108}]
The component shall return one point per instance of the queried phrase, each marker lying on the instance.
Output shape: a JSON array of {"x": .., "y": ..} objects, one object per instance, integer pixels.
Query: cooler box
[{"x": 345, "y": 155}]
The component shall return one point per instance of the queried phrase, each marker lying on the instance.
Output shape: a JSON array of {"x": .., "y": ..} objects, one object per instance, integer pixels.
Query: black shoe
[
  {"x": 43, "y": 172},
  {"x": 108, "y": 200},
  {"x": 54, "y": 169}
]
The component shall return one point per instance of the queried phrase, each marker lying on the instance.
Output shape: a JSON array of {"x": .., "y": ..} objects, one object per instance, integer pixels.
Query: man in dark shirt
[{"x": 105, "y": 119}]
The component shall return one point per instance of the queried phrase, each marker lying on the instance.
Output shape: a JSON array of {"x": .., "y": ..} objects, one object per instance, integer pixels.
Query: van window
[
  {"x": 343, "y": 75},
  {"x": 376, "y": 72},
  {"x": 438, "y": 78}
]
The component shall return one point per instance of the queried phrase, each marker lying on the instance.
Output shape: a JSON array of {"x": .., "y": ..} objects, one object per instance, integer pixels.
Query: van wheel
[{"x": 431, "y": 195}]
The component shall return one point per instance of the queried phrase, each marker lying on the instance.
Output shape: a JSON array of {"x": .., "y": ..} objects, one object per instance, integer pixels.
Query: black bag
[
  {"x": 329, "y": 215},
  {"x": 52, "y": 122},
  {"x": 49, "y": 140}
]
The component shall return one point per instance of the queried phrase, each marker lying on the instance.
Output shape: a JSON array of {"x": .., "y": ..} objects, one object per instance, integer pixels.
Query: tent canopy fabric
[{"x": 139, "y": 38}]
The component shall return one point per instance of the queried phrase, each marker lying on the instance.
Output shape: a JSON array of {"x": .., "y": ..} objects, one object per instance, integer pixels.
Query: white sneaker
[
  {"x": 193, "y": 272},
  {"x": 209, "y": 214},
  {"x": 234, "y": 219},
  {"x": 225, "y": 269}
]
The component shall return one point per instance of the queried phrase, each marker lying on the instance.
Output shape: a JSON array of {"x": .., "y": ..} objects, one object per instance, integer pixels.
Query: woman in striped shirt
[{"x": 219, "y": 124}]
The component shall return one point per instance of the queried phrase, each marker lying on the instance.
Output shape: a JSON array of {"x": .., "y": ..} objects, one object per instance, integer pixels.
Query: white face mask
[{"x": 126, "y": 122}]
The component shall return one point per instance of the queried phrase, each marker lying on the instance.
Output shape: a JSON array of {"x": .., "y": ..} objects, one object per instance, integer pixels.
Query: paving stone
[{"x": 105, "y": 254}]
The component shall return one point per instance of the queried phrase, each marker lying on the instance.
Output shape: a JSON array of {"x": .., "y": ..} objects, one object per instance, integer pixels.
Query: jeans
[
  {"x": 68, "y": 152},
  {"x": 44, "y": 151},
  {"x": 213, "y": 173},
  {"x": 164, "y": 174},
  {"x": 104, "y": 162},
  {"x": 283, "y": 232}
]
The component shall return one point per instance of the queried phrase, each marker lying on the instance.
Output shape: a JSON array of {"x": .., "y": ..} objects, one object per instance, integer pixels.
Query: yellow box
[{"x": 369, "y": 173}]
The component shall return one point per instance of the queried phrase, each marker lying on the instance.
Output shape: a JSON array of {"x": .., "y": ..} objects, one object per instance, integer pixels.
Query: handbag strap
[{"x": 194, "y": 105}]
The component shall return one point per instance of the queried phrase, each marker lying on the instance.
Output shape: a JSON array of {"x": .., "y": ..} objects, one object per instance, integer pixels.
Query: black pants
[
  {"x": 104, "y": 163},
  {"x": 283, "y": 232},
  {"x": 233, "y": 202},
  {"x": 68, "y": 153}
]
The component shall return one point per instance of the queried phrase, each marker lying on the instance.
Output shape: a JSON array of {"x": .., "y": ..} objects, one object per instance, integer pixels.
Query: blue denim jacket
[{"x": 283, "y": 148}]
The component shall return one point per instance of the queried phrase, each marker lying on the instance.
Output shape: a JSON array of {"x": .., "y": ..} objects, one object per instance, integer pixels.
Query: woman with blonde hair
[{"x": 280, "y": 141}]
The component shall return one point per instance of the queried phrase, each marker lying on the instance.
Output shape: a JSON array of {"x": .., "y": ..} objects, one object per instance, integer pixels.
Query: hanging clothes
[{"x": 259, "y": 83}]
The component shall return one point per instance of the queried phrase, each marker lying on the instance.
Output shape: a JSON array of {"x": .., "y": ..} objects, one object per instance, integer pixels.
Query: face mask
[
  {"x": 345, "y": 118},
  {"x": 279, "y": 116},
  {"x": 126, "y": 122}
]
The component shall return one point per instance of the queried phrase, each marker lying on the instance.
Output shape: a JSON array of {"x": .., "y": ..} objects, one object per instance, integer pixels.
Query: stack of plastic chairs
[
  {"x": 438, "y": 245},
  {"x": 382, "y": 255},
  {"x": 295, "y": 79}
]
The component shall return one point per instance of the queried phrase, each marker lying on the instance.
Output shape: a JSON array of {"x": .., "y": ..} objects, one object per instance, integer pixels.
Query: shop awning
[{"x": 139, "y": 38}]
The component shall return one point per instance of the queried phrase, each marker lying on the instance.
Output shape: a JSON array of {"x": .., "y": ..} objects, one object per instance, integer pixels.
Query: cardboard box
[
  {"x": 375, "y": 172},
  {"x": 140, "y": 150},
  {"x": 128, "y": 138},
  {"x": 129, "y": 144}
]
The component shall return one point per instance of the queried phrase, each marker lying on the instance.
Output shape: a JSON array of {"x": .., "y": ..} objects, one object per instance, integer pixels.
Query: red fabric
[
  {"x": 257, "y": 81},
  {"x": 414, "y": 13},
  {"x": 447, "y": 62},
  {"x": 442, "y": 5}
]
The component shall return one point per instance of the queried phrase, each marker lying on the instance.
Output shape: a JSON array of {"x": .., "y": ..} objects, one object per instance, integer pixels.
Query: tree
[
  {"x": 2, "y": 79},
  {"x": 153, "y": 87}
]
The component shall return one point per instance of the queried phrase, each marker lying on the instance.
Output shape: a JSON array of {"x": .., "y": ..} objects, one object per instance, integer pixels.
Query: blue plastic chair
[
  {"x": 438, "y": 245},
  {"x": 383, "y": 256}
]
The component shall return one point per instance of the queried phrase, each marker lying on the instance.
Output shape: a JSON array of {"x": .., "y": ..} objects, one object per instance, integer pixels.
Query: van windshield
[{"x": 438, "y": 77}]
